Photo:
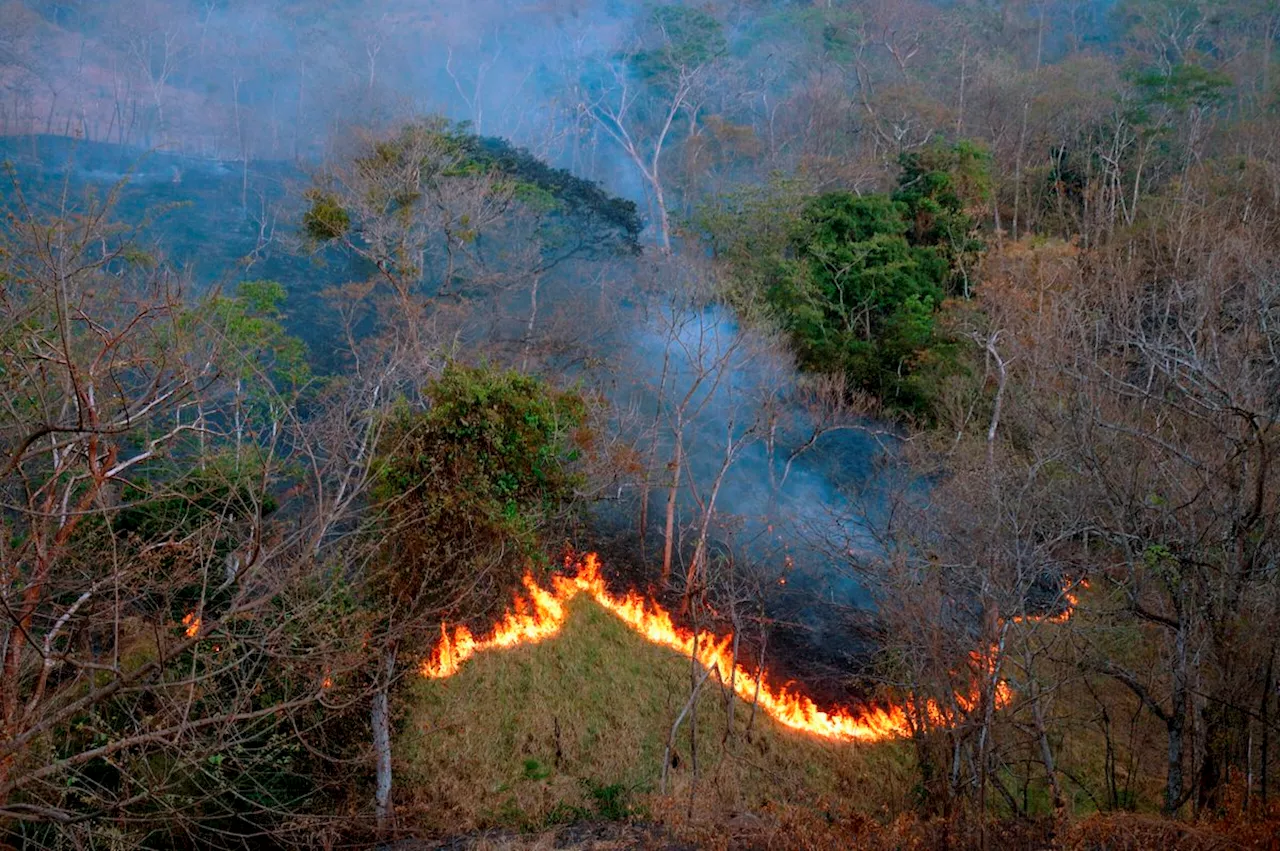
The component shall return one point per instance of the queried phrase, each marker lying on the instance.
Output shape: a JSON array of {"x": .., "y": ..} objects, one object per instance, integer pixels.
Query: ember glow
[{"x": 541, "y": 613}]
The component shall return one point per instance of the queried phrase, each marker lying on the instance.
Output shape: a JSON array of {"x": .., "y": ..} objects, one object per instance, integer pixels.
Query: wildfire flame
[
  {"x": 192, "y": 623},
  {"x": 1070, "y": 600},
  {"x": 542, "y": 613}
]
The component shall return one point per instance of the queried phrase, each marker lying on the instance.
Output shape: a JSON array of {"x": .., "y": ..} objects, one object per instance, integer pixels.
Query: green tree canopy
[
  {"x": 675, "y": 40},
  {"x": 944, "y": 189},
  {"x": 474, "y": 487},
  {"x": 859, "y": 297}
]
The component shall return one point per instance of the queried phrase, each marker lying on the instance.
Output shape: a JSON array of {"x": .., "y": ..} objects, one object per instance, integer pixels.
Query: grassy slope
[{"x": 521, "y": 737}]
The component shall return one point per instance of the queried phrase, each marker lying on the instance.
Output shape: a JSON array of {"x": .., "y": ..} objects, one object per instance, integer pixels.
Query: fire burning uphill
[{"x": 542, "y": 613}]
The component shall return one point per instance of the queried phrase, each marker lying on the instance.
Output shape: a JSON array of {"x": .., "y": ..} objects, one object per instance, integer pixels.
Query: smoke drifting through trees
[
  {"x": 614, "y": 91},
  {"x": 1034, "y": 238}
]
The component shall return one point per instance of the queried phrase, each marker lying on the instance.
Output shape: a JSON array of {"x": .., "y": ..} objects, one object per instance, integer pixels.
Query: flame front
[
  {"x": 543, "y": 613},
  {"x": 533, "y": 620}
]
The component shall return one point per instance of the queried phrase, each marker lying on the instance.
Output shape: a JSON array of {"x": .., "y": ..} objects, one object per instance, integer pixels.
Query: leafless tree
[{"x": 148, "y": 599}]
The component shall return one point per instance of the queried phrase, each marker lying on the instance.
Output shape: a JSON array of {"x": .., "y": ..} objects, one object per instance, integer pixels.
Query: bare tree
[
  {"x": 157, "y": 42},
  {"x": 148, "y": 599},
  {"x": 675, "y": 49}
]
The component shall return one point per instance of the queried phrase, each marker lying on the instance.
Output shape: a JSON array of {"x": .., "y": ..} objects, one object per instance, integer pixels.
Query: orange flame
[
  {"x": 1070, "y": 599},
  {"x": 543, "y": 612},
  {"x": 192, "y": 623}
]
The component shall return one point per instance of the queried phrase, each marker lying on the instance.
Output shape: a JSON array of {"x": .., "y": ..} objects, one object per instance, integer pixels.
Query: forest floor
[{"x": 559, "y": 745}]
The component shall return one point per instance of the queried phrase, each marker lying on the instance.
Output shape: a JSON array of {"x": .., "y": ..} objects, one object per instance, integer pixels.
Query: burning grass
[
  {"x": 572, "y": 727},
  {"x": 541, "y": 612},
  {"x": 575, "y": 726}
]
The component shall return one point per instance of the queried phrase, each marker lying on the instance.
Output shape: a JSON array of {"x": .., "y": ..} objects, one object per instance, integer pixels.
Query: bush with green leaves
[
  {"x": 857, "y": 280},
  {"x": 942, "y": 188},
  {"x": 325, "y": 219},
  {"x": 474, "y": 488}
]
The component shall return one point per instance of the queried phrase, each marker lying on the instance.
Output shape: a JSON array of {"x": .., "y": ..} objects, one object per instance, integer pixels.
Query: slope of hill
[{"x": 576, "y": 728}]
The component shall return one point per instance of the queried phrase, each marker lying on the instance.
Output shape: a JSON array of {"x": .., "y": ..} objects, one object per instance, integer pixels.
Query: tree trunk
[
  {"x": 675, "y": 725},
  {"x": 1264, "y": 756},
  {"x": 533, "y": 318},
  {"x": 669, "y": 543},
  {"x": 664, "y": 221},
  {"x": 1173, "y": 788},
  {"x": 1177, "y": 726},
  {"x": 1046, "y": 753},
  {"x": 380, "y": 718}
]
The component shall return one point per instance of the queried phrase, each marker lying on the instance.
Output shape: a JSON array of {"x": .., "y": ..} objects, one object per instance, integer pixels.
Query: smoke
[
  {"x": 238, "y": 83},
  {"x": 278, "y": 80},
  {"x": 790, "y": 469}
]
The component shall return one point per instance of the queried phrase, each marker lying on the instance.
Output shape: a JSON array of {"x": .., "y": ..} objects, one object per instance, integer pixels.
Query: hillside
[
  {"x": 575, "y": 728},
  {"x": 413, "y": 412},
  {"x": 560, "y": 744}
]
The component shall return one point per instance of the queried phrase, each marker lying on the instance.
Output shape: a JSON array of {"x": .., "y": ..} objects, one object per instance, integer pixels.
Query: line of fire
[{"x": 541, "y": 613}]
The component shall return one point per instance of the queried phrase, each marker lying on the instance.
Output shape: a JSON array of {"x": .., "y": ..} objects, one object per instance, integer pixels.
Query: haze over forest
[{"x": 913, "y": 369}]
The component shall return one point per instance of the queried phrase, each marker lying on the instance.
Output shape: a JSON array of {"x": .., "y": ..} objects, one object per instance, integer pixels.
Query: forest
[{"x": 585, "y": 424}]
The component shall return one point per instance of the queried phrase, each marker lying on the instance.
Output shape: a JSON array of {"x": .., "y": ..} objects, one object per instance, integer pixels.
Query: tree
[
  {"x": 945, "y": 190},
  {"x": 164, "y": 647},
  {"x": 471, "y": 494},
  {"x": 407, "y": 204},
  {"x": 19, "y": 27},
  {"x": 637, "y": 99},
  {"x": 842, "y": 279},
  {"x": 158, "y": 43},
  {"x": 442, "y": 217},
  {"x": 1168, "y": 440}
]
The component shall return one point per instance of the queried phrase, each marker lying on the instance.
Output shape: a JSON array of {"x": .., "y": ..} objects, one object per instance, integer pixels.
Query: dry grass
[
  {"x": 523, "y": 741},
  {"x": 576, "y": 727},
  {"x": 611, "y": 836}
]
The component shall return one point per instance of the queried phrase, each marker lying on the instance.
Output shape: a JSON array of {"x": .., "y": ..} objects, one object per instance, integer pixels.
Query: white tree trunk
[{"x": 380, "y": 718}]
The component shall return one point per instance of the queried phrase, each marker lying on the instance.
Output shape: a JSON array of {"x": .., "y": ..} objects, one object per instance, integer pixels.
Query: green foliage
[
  {"x": 536, "y": 769},
  {"x": 136, "y": 256},
  {"x": 855, "y": 280},
  {"x": 750, "y": 231},
  {"x": 252, "y": 323},
  {"x": 325, "y": 219},
  {"x": 477, "y": 480},
  {"x": 680, "y": 38},
  {"x": 612, "y": 801},
  {"x": 1185, "y": 86},
  {"x": 859, "y": 298},
  {"x": 609, "y": 802},
  {"x": 943, "y": 189},
  {"x": 830, "y": 30}
]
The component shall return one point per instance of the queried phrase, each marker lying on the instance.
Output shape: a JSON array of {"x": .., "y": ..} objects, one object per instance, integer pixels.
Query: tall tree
[{"x": 642, "y": 98}]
